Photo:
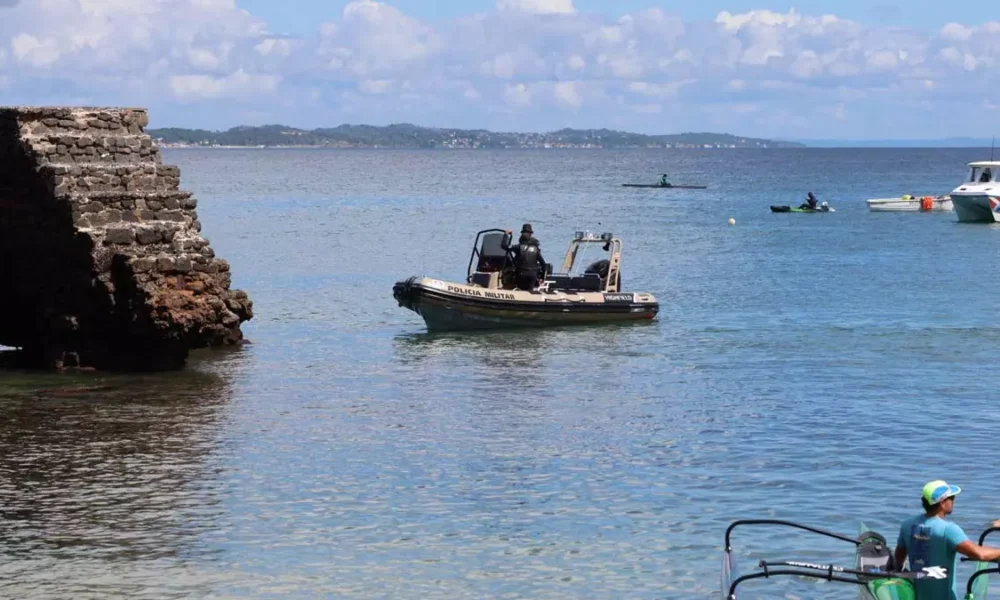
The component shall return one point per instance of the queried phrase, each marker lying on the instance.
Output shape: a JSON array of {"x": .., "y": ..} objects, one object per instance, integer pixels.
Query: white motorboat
[
  {"x": 908, "y": 203},
  {"x": 978, "y": 200}
]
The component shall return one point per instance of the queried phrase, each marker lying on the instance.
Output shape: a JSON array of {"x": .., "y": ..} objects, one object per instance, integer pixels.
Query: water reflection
[
  {"x": 97, "y": 468},
  {"x": 515, "y": 347},
  {"x": 493, "y": 349}
]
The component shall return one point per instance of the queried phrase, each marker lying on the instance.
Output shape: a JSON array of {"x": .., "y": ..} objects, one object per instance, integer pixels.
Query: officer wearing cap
[
  {"x": 928, "y": 540},
  {"x": 528, "y": 261}
]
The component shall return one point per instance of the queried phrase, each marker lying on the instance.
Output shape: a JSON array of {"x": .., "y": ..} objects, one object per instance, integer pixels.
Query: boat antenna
[{"x": 992, "y": 144}]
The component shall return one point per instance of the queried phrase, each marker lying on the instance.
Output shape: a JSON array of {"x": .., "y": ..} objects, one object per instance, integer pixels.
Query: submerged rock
[{"x": 102, "y": 262}]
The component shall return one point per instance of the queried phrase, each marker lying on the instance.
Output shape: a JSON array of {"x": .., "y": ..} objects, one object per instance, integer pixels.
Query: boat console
[{"x": 492, "y": 267}]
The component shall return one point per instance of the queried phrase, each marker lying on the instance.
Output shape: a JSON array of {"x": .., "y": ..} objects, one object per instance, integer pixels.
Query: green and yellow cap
[{"x": 938, "y": 490}]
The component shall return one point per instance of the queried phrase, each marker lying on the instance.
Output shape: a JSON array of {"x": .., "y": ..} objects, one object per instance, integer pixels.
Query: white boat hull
[
  {"x": 913, "y": 205},
  {"x": 976, "y": 207}
]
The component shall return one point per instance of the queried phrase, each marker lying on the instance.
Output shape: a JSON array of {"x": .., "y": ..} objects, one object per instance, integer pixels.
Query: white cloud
[
  {"x": 623, "y": 67},
  {"x": 35, "y": 52},
  {"x": 201, "y": 58},
  {"x": 539, "y": 57},
  {"x": 765, "y": 18},
  {"x": 517, "y": 95},
  {"x": 272, "y": 46},
  {"x": 657, "y": 90},
  {"x": 234, "y": 85},
  {"x": 374, "y": 86},
  {"x": 956, "y": 33},
  {"x": 520, "y": 63},
  {"x": 808, "y": 64},
  {"x": 538, "y": 7},
  {"x": 566, "y": 94},
  {"x": 883, "y": 60},
  {"x": 378, "y": 38}
]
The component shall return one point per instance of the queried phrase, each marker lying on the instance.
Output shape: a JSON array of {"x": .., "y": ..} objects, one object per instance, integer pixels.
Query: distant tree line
[{"x": 405, "y": 135}]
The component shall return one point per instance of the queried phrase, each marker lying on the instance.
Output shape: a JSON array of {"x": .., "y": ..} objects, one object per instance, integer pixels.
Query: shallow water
[{"x": 818, "y": 368}]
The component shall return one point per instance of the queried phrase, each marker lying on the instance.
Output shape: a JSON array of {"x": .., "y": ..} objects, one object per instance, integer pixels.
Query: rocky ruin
[{"x": 102, "y": 262}]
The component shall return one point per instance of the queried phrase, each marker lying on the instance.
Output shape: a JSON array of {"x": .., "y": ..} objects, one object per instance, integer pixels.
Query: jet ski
[{"x": 784, "y": 208}]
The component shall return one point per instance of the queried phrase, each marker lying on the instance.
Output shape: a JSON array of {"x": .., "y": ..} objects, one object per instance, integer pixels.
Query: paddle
[{"x": 925, "y": 573}]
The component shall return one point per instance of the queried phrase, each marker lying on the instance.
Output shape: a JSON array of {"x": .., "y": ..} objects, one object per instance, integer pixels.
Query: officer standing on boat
[
  {"x": 528, "y": 261},
  {"x": 928, "y": 540}
]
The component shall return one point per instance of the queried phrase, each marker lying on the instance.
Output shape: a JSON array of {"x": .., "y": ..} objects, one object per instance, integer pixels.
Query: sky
[{"x": 791, "y": 70}]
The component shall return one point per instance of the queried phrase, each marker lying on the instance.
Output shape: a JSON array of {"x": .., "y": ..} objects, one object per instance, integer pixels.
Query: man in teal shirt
[{"x": 930, "y": 541}]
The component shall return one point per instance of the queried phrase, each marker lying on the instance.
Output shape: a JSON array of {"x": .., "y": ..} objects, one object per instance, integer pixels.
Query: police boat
[{"x": 490, "y": 299}]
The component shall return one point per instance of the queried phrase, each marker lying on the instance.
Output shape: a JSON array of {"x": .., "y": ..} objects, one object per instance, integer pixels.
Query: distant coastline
[{"x": 405, "y": 135}]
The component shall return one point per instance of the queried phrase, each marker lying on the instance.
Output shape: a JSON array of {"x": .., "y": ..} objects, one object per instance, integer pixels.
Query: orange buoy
[{"x": 927, "y": 203}]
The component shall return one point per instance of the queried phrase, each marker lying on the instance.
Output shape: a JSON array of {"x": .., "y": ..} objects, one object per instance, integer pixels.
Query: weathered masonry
[{"x": 102, "y": 262}]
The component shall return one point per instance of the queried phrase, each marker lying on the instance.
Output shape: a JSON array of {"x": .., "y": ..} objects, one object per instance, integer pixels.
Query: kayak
[
  {"x": 873, "y": 570},
  {"x": 785, "y": 208},
  {"x": 669, "y": 185}
]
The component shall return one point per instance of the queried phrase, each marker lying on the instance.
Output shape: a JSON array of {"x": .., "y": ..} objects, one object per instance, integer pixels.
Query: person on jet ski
[
  {"x": 528, "y": 262},
  {"x": 810, "y": 202}
]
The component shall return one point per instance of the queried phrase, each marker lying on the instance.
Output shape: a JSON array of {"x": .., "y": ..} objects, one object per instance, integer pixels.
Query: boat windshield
[
  {"x": 590, "y": 258},
  {"x": 981, "y": 175}
]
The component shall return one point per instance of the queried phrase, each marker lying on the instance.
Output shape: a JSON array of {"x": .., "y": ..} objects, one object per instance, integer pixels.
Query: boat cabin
[
  {"x": 492, "y": 267},
  {"x": 984, "y": 172}
]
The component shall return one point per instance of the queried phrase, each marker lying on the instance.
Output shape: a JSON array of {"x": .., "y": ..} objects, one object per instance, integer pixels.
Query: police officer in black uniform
[{"x": 528, "y": 261}]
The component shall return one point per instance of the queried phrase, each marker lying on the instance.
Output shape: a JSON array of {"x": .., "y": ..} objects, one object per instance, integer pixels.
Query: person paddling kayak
[
  {"x": 928, "y": 540},
  {"x": 810, "y": 201},
  {"x": 663, "y": 180}
]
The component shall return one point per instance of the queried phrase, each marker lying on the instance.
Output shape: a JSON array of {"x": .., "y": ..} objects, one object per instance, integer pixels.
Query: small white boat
[
  {"x": 908, "y": 203},
  {"x": 978, "y": 200}
]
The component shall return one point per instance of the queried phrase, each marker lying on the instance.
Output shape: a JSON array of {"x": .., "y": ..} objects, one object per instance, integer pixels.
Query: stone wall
[{"x": 102, "y": 262}]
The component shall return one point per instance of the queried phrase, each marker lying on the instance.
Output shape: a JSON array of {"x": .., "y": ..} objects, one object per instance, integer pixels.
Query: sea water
[{"x": 813, "y": 367}]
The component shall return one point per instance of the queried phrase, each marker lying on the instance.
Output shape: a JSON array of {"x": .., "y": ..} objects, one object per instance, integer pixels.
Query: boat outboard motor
[
  {"x": 600, "y": 267},
  {"x": 403, "y": 292},
  {"x": 873, "y": 553}
]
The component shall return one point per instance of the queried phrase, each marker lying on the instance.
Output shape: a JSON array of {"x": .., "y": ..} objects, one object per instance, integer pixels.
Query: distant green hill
[{"x": 405, "y": 135}]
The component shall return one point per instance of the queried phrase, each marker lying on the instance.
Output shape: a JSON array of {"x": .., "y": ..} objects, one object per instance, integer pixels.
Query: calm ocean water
[{"x": 818, "y": 368}]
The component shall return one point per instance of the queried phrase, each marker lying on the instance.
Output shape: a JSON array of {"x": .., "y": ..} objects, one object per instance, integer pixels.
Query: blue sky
[{"x": 822, "y": 69}]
